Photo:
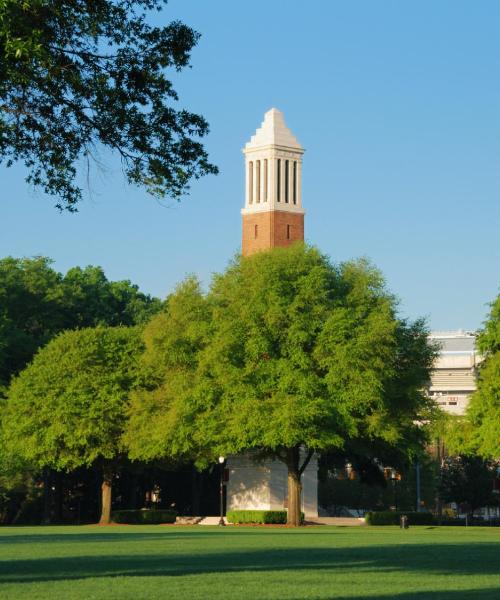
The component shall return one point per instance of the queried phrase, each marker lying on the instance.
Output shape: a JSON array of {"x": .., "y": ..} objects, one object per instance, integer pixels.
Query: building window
[
  {"x": 286, "y": 181},
  {"x": 256, "y": 231},
  {"x": 265, "y": 180},
  {"x": 288, "y": 231},
  {"x": 294, "y": 192},
  {"x": 278, "y": 180},
  {"x": 257, "y": 182},
  {"x": 250, "y": 182}
]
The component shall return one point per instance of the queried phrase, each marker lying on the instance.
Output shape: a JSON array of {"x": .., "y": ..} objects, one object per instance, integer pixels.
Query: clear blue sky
[{"x": 398, "y": 107}]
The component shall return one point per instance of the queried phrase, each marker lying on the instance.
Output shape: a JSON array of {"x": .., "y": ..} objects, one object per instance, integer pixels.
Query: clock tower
[{"x": 273, "y": 214}]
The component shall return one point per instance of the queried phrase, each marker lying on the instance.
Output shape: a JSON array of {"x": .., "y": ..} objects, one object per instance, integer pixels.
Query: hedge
[
  {"x": 264, "y": 517},
  {"x": 391, "y": 517},
  {"x": 143, "y": 517}
]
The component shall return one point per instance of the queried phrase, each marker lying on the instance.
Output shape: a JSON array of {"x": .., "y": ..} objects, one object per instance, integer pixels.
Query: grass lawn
[{"x": 150, "y": 562}]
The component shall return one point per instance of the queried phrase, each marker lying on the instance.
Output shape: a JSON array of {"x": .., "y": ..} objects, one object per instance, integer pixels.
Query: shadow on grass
[
  {"x": 435, "y": 559},
  {"x": 97, "y": 534},
  {"x": 470, "y": 594}
]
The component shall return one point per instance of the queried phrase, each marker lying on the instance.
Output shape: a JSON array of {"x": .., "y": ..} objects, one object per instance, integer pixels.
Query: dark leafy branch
[{"x": 78, "y": 74}]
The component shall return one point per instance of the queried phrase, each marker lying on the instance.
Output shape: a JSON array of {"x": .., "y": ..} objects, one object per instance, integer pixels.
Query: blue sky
[{"x": 398, "y": 107}]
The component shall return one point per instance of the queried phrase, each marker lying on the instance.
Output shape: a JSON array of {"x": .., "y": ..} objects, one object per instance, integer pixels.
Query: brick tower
[{"x": 273, "y": 214}]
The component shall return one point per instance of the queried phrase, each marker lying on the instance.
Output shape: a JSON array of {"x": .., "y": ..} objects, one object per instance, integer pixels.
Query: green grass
[{"x": 153, "y": 562}]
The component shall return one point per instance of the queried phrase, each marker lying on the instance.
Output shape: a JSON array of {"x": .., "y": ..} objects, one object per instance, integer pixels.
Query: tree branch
[
  {"x": 306, "y": 461},
  {"x": 82, "y": 53}
]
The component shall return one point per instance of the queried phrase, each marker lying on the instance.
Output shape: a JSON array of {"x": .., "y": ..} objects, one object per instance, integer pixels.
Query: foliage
[
  {"x": 468, "y": 480},
  {"x": 160, "y": 424},
  {"x": 479, "y": 433},
  {"x": 287, "y": 351},
  {"x": 484, "y": 409},
  {"x": 143, "y": 517},
  {"x": 19, "y": 493},
  {"x": 263, "y": 517},
  {"x": 37, "y": 302},
  {"x": 77, "y": 76},
  {"x": 391, "y": 517},
  {"x": 489, "y": 338},
  {"x": 67, "y": 408}
]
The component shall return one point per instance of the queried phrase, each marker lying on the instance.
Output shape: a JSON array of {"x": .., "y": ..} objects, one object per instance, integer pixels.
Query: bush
[
  {"x": 143, "y": 517},
  {"x": 264, "y": 517},
  {"x": 391, "y": 517}
]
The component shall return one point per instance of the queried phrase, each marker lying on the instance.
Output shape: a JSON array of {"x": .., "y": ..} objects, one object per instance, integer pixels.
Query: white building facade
[{"x": 453, "y": 379}]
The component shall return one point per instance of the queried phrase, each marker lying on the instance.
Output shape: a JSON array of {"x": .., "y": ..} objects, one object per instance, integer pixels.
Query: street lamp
[
  {"x": 221, "y": 462},
  {"x": 395, "y": 477}
]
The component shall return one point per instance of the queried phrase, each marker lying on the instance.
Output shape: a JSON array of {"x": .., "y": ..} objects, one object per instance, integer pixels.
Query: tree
[
  {"x": 483, "y": 412},
  {"x": 37, "y": 302},
  {"x": 299, "y": 356},
  {"x": 67, "y": 409},
  {"x": 489, "y": 337},
  {"x": 30, "y": 310},
  {"x": 468, "y": 480},
  {"x": 75, "y": 76},
  {"x": 173, "y": 342},
  {"x": 91, "y": 299}
]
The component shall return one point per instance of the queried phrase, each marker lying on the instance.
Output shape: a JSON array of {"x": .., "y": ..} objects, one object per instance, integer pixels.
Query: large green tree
[
  {"x": 174, "y": 340},
  {"x": 468, "y": 480},
  {"x": 296, "y": 356},
  {"x": 68, "y": 408},
  {"x": 483, "y": 413},
  {"x": 37, "y": 302},
  {"x": 79, "y": 76}
]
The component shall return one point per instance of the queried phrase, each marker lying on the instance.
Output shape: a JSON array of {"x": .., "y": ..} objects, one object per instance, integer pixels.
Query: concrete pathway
[
  {"x": 211, "y": 521},
  {"x": 339, "y": 521}
]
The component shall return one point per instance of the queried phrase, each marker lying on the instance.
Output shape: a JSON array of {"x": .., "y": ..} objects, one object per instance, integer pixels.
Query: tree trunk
[
  {"x": 295, "y": 470},
  {"x": 58, "y": 497},
  {"x": 294, "y": 497},
  {"x": 106, "y": 489},
  {"x": 47, "y": 497},
  {"x": 195, "y": 492}
]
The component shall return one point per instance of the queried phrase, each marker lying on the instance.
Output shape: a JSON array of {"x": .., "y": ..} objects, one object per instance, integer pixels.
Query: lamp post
[
  {"x": 221, "y": 462},
  {"x": 417, "y": 477},
  {"x": 395, "y": 477}
]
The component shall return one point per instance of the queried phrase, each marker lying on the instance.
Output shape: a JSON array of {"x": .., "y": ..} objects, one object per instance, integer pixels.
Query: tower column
[
  {"x": 272, "y": 181},
  {"x": 255, "y": 182},
  {"x": 299, "y": 183}
]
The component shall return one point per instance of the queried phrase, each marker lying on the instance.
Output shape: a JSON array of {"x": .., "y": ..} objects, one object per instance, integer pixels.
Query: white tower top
[
  {"x": 273, "y": 165},
  {"x": 273, "y": 132}
]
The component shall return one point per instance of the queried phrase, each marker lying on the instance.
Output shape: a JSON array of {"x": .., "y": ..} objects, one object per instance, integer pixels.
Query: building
[
  {"x": 454, "y": 377},
  {"x": 272, "y": 216}
]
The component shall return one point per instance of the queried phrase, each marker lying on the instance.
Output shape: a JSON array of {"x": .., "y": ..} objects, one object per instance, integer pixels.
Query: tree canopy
[
  {"x": 468, "y": 480},
  {"x": 286, "y": 355},
  {"x": 483, "y": 413},
  {"x": 489, "y": 338},
  {"x": 173, "y": 342},
  {"x": 67, "y": 409},
  {"x": 37, "y": 302},
  {"x": 79, "y": 76}
]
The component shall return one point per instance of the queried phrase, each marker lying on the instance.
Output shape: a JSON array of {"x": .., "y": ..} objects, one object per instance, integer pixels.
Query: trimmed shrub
[
  {"x": 391, "y": 517},
  {"x": 263, "y": 517},
  {"x": 143, "y": 517}
]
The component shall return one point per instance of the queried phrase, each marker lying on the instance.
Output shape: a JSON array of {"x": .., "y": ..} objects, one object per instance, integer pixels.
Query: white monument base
[{"x": 263, "y": 485}]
